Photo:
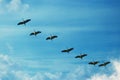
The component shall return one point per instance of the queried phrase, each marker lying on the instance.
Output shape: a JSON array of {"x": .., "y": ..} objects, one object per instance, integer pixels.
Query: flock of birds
[
  {"x": 35, "y": 33},
  {"x": 81, "y": 56}
]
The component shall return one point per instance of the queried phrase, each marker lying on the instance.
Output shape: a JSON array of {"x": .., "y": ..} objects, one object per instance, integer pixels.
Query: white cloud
[
  {"x": 114, "y": 76},
  {"x": 17, "y": 5},
  {"x": 8, "y": 72},
  {"x": 13, "y": 6},
  {"x": 55, "y": 76},
  {"x": 38, "y": 76},
  {"x": 74, "y": 75},
  {"x": 5, "y": 63}
]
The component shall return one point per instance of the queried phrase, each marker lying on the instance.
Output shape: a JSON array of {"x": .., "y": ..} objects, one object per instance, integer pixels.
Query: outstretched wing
[
  {"x": 24, "y": 22},
  {"x": 37, "y": 32},
  {"x": 106, "y": 63},
  {"x": 20, "y": 23},
  {"x": 67, "y": 50},
  {"x": 101, "y": 65},
  {"x": 64, "y": 51},
  {"x": 27, "y": 21},
  {"x": 81, "y": 56},
  {"x": 32, "y": 34},
  {"x": 52, "y": 37},
  {"x": 77, "y": 56},
  {"x": 70, "y": 49},
  {"x": 84, "y": 55},
  {"x": 91, "y": 63},
  {"x": 48, "y": 38},
  {"x": 96, "y": 62}
]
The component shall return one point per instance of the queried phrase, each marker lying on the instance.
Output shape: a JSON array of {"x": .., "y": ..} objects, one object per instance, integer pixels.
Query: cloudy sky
[{"x": 89, "y": 26}]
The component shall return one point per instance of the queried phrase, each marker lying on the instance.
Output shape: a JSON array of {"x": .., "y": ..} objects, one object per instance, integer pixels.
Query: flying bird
[
  {"x": 81, "y": 56},
  {"x": 93, "y": 63},
  {"x": 104, "y": 64},
  {"x": 35, "y": 33},
  {"x": 24, "y": 22},
  {"x": 51, "y": 37},
  {"x": 67, "y": 50}
]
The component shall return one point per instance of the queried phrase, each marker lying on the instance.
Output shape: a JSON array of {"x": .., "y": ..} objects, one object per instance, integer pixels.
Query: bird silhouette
[
  {"x": 51, "y": 37},
  {"x": 24, "y": 22},
  {"x": 93, "y": 63},
  {"x": 104, "y": 64},
  {"x": 67, "y": 50},
  {"x": 35, "y": 33},
  {"x": 81, "y": 56}
]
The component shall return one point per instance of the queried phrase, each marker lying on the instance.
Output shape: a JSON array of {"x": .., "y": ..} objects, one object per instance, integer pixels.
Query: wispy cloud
[
  {"x": 5, "y": 63},
  {"x": 15, "y": 31},
  {"x": 13, "y": 6},
  {"x": 8, "y": 71},
  {"x": 10, "y": 47},
  {"x": 114, "y": 76},
  {"x": 17, "y": 5}
]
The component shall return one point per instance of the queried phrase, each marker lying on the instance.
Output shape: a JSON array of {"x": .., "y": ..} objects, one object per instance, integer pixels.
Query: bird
[
  {"x": 51, "y": 37},
  {"x": 35, "y": 33},
  {"x": 67, "y": 50},
  {"x": 24, "y": 22},
  {"x": 104, "y": 64},
  {"x": 93, "y": 63},
  {"x": 81, "y": 56}
]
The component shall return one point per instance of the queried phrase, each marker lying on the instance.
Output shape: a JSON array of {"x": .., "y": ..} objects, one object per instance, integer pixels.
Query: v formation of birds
[{"x": 81, "y": 56}]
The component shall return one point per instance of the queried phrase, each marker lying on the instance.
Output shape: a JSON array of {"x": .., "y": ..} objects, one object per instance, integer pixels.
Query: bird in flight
[
  {"x": 104, "y": 64},
  {"x": 93, "y": 63},
  {"x": 51, "y": 37},
  {"x": 67, "y": 50},
  {"x": 35, "y": 33},
  {"x": 81, "y": 56},
  {"x": 24, "y": 22}
]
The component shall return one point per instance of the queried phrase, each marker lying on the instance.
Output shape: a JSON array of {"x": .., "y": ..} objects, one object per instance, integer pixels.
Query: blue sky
[{"x": 91, "y": 27}]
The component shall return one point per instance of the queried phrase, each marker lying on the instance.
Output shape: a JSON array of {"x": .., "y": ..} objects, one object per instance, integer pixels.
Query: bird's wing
[
  {"x": 90, "y": 63},
  {"x": 70, "y": 49},
  {"x": 64, "y": 51},
  {"x": 27, "y": 20},
  {"x": 20, "y": 23},
  {"x": 38, "y": 32},
  {"x": 54, "y": 37},
  {"x": 48, "y": 38},
  {"x": 106, "y": 63},
  {"x": 96, "y": 61},
  {"x": 101, "y": 65},
  {"x": 85, "y": 54},
  {"x": 77, "y": 56},
  {"x": 32, "y": 34},
  {"x": 82, "y": 56}
]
